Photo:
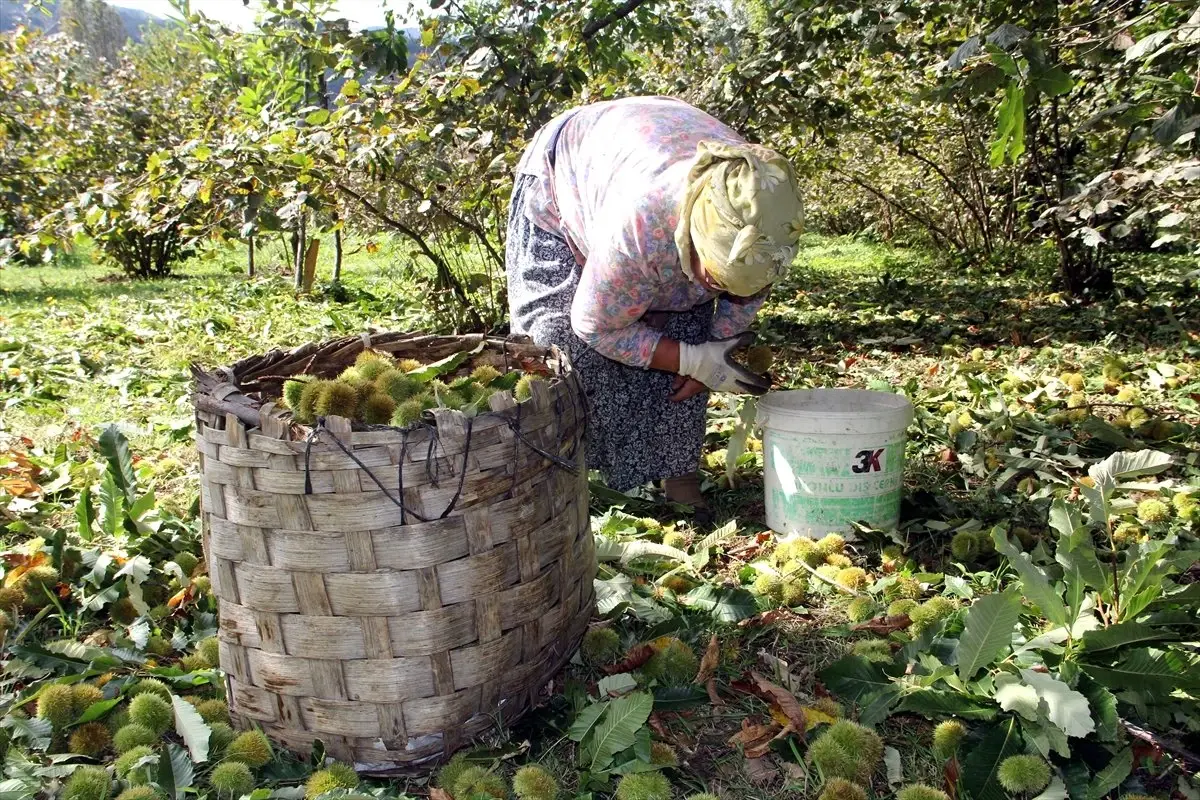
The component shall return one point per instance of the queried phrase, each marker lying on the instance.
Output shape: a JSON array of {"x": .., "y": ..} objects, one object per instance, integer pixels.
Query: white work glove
[{"x": 712, "y": 364}]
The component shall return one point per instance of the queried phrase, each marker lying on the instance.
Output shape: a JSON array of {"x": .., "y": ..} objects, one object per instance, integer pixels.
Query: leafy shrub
[
  {"x": 125, "y": 765},
  {"x": 921, "y": 791},
  {"x": 91, "y": 739},
  {"x": 152, "y": 685},
  {"x": 600, "y": 646},
  {"x": 673, "y": 662},
  {"x": 56, "y": 705},
  {"x": 141, "y": 793},
  {"x": 947, "y": 736},
  {"x": 213, "y": 710},
  {"x": 133, "y": 735},
  {"x": 847, "y": 750}
]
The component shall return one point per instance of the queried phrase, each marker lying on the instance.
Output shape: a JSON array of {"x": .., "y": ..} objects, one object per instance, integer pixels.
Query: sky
[{"x": 361, "y": 13}]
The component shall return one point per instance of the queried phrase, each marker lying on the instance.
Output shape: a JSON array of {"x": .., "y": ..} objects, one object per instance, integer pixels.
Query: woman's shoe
[{"x": 685, "y": 490}]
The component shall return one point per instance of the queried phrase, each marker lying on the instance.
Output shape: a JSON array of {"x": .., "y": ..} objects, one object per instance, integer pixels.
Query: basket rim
[{"x": 228, "y": 390}]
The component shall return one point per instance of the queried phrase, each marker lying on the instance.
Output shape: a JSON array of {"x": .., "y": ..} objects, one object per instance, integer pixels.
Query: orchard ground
[{"x": 1018, "y": 391}]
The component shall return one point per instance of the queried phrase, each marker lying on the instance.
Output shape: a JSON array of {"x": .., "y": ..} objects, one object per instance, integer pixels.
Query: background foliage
[{"x": 991, "y": 131}]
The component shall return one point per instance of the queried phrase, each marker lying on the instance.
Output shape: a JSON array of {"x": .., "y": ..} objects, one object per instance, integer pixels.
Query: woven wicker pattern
[{"x": 393, "y": 634}]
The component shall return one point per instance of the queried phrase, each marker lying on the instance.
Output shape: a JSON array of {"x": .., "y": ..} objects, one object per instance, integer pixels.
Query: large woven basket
[{"x": 393, "y": 593}]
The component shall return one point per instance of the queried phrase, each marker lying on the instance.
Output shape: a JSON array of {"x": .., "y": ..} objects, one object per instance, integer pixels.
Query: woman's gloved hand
[{"x": 712, "y": 364}]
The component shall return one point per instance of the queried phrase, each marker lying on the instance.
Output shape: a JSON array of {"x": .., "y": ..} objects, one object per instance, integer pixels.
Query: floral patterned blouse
[{"x": 613, "y": 192}]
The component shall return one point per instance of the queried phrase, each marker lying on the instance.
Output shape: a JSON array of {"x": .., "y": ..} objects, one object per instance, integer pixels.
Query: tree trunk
[
  {"x": 1083, "y": 274},
  {"x": 298, "y": 240},
  {"x": 337, "y": 256},
  {"x": 310, "y": 265}
]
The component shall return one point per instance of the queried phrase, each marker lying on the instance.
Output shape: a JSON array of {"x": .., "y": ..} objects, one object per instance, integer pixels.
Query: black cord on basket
[
  {"x": 432, "y": 470},
  {"x": 558, "y": 461},
  {"x": 431, "y": 467},
  {"x": 568, "y": 463},
  {"x": 462, "y": 477},
  {"x": 400, "y": 474},
  {"x": 312, "y": 437},
  {"x": 579, "y": 412},
  {"x": 515, "y": 426},
  {"x": 308, "y": 443}
]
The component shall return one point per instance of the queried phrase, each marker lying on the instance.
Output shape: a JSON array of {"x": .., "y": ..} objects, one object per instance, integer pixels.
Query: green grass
[
  {"x": 848, "y": 256},
  {"x": 87, "y": 347}
]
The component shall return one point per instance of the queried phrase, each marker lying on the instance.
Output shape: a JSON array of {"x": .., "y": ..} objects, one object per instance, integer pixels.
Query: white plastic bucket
[{"x": 832, "y": 457}]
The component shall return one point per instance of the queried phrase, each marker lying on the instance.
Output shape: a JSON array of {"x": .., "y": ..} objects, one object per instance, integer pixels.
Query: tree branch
[
  {"x": 616, "y": 15},
  {"x": 928, "y": 224},
  {"x": 458, "y": 219},
  {"x": 442, "y": 208},
  {"x": 952, "y": 185},
  {"x": 443, "y": 269},
  {"x": 1164, "y": 743}
]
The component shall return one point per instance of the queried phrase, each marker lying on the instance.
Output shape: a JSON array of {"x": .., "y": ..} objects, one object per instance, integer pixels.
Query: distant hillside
[
  {"x": 109, "y": 27},
  {"x": 13, "y": 13}
]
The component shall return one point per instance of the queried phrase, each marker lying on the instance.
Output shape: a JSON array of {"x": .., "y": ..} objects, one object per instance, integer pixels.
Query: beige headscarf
[{"x": 742, "y": 212}]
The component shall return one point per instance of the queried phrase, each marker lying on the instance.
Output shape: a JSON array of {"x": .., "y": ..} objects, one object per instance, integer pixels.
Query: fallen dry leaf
[
  {"x": 100, "y": 638},
  {"x": 780, "y": 699},
  {"x": 760, "y": 771},
  {"x": 760, "y": 750},
  {"x": 179, "y": 597},
  {"x": 815, "y": 717},
  {"x": 711, "y": 687},
  {"x": 894, "y": 766},
  {"x": 754, "y": 739},
  {"x": 710, "y": 662},
  {"x": 794, "y": 771},
  {"x": 884, "y": 626},
  {"x": 950, "y": 778},
  {"x": 440, "y": 794},
  {"x": 537, "y": 368},
  {"x": 634, "y": 659},
  {"x": 780, "y": 717},
  {"x": 19, "y": 464},
  {"x": 19, "y": 486},
  {"x": 745, "y": 550},
  {"x": 1144, "y": 752},
  {"x": 781, "y": 671},
  {"x": 20, "y": 564}
]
